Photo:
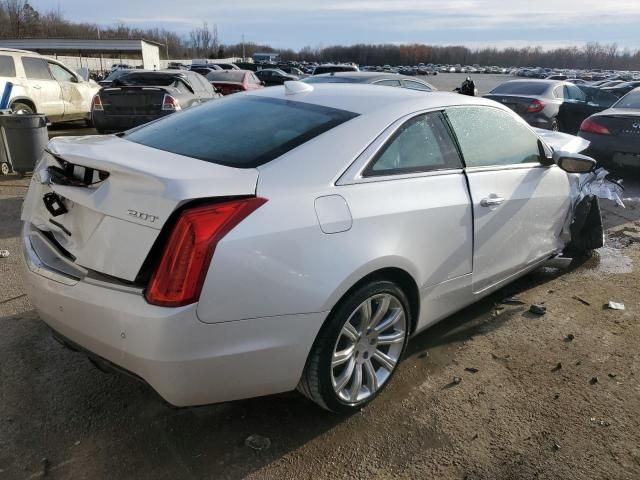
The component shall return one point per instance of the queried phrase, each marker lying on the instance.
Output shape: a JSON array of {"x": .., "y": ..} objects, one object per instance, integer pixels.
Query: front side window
[
  {"x": 574, "y": 94},
  {"x": 421, "y": 144},
  {"x": 239, "y": 131},
  {"x": 36, "y": 68},
  {"x": 489, "y": 136},
  {"x": 7, "y": 66},
  {"x": 61, "y": 74}
]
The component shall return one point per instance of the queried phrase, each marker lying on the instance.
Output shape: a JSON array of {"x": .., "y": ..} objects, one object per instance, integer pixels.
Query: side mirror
[{"x": 574, "y": 162}]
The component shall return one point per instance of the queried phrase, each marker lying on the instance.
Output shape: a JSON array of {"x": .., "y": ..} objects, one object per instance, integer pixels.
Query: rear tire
[
  {"x": 555, "y": 125},
  {"x": 23, "y": 108},
  {"x": 358, "y": 349}
]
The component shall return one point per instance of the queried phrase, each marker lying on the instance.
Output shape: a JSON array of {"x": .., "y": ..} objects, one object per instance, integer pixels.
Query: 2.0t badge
[{"x": 147, "y": 217}]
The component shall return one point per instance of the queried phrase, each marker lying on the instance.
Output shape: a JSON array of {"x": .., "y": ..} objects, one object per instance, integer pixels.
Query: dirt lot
[{"x": 533, "y": 408}]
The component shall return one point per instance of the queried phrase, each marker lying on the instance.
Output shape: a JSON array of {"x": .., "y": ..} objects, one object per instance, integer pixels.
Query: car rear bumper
[
  {"x": 186, "y": 361},
  {"x": 105, "y": 122},
  {"x": 612, "y": 150}
]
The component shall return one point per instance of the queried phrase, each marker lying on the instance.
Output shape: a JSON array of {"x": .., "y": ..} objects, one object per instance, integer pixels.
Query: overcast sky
[{"x": 297, "y": 23}]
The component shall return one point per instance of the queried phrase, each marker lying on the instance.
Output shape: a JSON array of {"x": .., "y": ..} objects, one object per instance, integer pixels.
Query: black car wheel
[
  {"x": 555, "y": 125},
  {"x": 23, "y": 108}
]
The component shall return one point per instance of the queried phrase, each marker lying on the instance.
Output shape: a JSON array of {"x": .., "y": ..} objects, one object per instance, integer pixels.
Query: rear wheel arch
[
  {"x": 25, "y": 101},
  {"x": 397, "y": 275}
]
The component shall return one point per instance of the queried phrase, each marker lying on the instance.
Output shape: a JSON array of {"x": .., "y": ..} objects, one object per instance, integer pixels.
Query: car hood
[{"x": 562, "y": 141}]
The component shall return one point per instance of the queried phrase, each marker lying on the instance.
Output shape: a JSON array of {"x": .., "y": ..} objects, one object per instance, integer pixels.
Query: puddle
[{"x": 609, "y": 259}]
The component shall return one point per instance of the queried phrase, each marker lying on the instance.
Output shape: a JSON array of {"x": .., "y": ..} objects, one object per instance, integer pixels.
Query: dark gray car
[
  {"x": 142, "y": 96},
  {"x": 551, "y": 104},
  {"x": 385, "y": 79}
]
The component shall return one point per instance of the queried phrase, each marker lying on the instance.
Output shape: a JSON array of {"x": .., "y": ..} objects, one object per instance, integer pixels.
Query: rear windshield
[
  {"x": 226, "y": 76},
  {"x": 521, "y": 88},
  {"x": 336, "y": 68},
  {"x": 239, "y": 131},
  {"x": 630, "y": 100},
  {"x": 146, "y": 79},
  {"x": 330, "y": 79}
]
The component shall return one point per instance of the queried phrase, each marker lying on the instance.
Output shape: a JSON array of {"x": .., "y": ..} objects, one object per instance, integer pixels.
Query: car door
[
  {"x": 43, "y": 88},
  {"x": 519, "y": 205},
  {"x": 575, "y": 108},
  {"x": 408, "y": 191},
  {"x": 75, "y": 95}
]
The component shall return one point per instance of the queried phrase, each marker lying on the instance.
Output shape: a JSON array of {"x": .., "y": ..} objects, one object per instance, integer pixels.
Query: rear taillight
[
  {"x": 185, "y": 261},
  {"x": 535, "y": 106},
  {"x": 591, "y": 126},
  {"x": 96, "y": 104},
  {"x": 170, "y": 103}
]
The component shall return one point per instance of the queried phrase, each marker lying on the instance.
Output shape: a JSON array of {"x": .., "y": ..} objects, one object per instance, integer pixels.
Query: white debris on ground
[{"x": 4, "y": 253}]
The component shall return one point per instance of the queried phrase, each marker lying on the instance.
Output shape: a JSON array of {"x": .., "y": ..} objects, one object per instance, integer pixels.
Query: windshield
[
  {"x": 521, "y": 88},
  {"x": 117, "y": 74},
  {"x": 630, "y": 100},
  {"x": 239, "y": 131},
  {"x": 226, "y": 76}
]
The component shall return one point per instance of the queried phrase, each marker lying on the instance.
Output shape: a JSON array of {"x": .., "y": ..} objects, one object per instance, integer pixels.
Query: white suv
[{"x": 43, "y": 85}]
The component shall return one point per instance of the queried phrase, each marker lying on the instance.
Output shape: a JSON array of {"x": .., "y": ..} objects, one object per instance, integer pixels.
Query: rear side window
[
  {"x": 36, "y": 68},
  {"x": 239, "y": 131},
  {"x": 388, "y": 83},
  {"x": 413, "y": 85},
  {"x": 489, "y": 136},
  {"x": 421, "y": 144},
  {"x": 7, "y": 66}
]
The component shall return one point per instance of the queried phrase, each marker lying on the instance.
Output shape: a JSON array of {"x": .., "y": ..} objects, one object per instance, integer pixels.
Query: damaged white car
[{"x": 218, "y": 254}]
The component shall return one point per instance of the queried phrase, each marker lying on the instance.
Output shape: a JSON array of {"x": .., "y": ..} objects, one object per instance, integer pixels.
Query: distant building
[{"x": 266, "y": 57}]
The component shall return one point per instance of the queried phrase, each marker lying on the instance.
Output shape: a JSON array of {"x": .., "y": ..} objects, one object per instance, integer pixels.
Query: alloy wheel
[{"x": 368, "y": 348}]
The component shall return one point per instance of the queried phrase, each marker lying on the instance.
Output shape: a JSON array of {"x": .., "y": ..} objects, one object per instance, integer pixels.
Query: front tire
[{"x": 358, "y": 349}]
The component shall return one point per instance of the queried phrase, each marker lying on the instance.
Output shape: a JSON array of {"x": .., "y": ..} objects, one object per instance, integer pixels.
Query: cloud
[{"x": 295, "y": 23}]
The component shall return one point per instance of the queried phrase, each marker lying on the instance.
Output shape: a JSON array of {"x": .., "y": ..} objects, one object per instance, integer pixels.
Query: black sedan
[
  {"x": 274, "y": 76},
  {"x": 384, "y": 79},
  {"x": 622, "y": 89},
  {"x": 615, "y": 133},
  {"x": 552, "y": 104},
  {"x": 142, "y": 96}
]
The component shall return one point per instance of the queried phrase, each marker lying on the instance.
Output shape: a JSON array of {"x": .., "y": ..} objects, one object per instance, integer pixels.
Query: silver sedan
[{"x": 291, "y": 237}]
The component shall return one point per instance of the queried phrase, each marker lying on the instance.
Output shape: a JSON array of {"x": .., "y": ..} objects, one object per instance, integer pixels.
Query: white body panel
[
  {"x": 275, "y": 277},
  {"x": 522, "y": 229}
]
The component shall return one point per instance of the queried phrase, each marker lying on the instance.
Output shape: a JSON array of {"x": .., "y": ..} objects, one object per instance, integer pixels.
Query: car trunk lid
[
  {"x": 111, "y": 226},
  {"x": 518, "y": 104},
  {"x": 623, "y": 122},
  {"x": 132, "y": 100}
]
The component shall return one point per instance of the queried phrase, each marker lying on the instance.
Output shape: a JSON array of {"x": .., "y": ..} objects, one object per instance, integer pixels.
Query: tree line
[{"x": 19, "y": 19}]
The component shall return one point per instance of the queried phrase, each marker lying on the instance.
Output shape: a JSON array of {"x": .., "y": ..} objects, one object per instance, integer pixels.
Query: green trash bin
[{"x": 22, "y": 142}]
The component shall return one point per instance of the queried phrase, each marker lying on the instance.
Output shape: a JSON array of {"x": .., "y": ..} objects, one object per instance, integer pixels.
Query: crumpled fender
[{"x": 562, "y": 141}]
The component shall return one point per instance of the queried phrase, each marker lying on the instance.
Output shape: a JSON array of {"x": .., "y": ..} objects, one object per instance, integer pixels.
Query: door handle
[{"x": 491, "y": 201}]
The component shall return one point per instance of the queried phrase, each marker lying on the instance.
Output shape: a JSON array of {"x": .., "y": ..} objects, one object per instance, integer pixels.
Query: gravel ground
[{"x": 533, "y": 408}]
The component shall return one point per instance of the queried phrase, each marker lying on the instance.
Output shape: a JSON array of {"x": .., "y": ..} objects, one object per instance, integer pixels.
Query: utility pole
[{"x": 243, "y": 57}]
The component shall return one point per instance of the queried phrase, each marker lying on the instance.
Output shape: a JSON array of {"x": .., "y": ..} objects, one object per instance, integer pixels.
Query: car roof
[
  {"x": 537, "y": 80},
  {"x": 364, "y": 98},
  {"x": 15, "y": 50},
  {"x": 365, "y": 76}
]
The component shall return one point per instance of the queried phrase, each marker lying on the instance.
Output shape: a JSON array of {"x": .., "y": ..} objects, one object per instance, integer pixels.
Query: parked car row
[{"x": 610, "y": 123}]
